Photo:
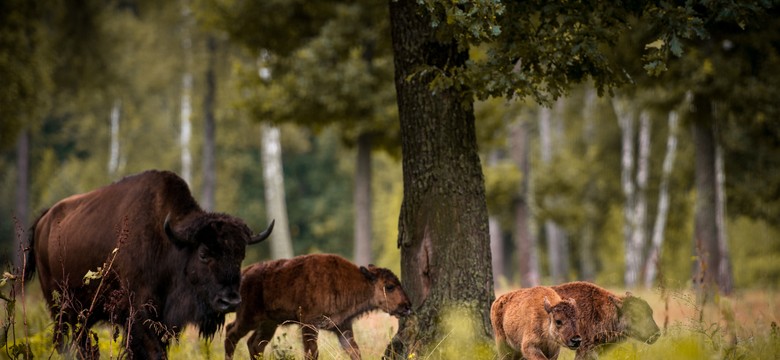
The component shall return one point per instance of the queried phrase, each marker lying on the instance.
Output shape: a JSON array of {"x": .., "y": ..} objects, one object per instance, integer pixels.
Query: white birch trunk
[
  {"x": 497, "y": 250},
  {"x": 526, "y": 242},
  {"x": 587, "y": 259},
  {"x": 113, "y": 158},
  {"x": 638, "y": 234},
  {"x": 654, "y": 256},
  {"x": 185, "y": 134},
  {"x": 273, "y": 178},
  {"x": 625, "y": 118}
]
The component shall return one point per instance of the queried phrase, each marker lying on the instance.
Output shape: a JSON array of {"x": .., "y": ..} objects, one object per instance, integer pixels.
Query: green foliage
[{"x": 753, "y": 244}]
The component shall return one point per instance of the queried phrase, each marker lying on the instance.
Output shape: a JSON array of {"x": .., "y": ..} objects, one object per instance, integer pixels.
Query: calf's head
[
  {"x": 636, "y": 316},
  {"x": 388, "y": 294},
  {"x": 215, "y": 245},
  {"x": 563, "y": 322}
]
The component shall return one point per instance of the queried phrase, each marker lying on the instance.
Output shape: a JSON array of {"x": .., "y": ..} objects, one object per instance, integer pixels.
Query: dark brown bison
[
  {"x": 161, "y": 263},
  {"x": 534, "y": 323},
  {"x": 606, "y": 319},
  {"x": 318, "y": 291}
]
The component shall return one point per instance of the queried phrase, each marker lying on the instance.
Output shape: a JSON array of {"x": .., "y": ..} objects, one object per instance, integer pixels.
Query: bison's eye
[
  {"x": 558, "y": 323},
  {"x": 204, "y": 256},
  {"x": 389, "y": 288}
]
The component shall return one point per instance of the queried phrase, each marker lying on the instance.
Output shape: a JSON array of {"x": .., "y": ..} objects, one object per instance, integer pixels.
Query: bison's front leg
[
  {"x": 310, "y": 350},
  {"x": 347, "y": 341},
  {"x": 146, "y": 340}
]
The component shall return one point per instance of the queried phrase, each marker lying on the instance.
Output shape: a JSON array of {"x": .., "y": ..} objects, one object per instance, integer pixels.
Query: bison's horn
[
  {"x": 168, "y": 231},
  {"x": 263, "y": 235}
]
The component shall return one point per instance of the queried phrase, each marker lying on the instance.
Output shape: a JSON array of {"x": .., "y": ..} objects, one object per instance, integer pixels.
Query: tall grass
[{"x": 743, "y": 326}]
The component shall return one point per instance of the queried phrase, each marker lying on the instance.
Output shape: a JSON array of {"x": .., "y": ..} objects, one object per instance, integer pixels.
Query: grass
[{"x": 737, "y": 327}]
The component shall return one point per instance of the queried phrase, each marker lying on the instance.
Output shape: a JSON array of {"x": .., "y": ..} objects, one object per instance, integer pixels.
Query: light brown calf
[
  {"x": 534, "y": 323},
  {"x": 606, "y": 319}
]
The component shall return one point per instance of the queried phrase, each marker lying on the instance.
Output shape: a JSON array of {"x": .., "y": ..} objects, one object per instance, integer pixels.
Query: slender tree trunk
[
  {"x": 556, "y": 238},
  {"x": 21, "y": 208},
  {"x": 113, "y": 159},
  {"x": 209, "y": 130},
  {"x": 705, "y": 222},
  {"x": 625, "y": 117},
  {"x": 586, "y": 254},
  {"x": 275, "y": 203},
  {"x": 527, "y": 247},
  {"x": 362, "y": 198},
  {"x": 186, "y": 95},
  {"x": 638, "y": 234},
  {"x": 654, "y": 256},
  {"x": 443, "y": 225},
  {"x": 725, "y": 280},
  {"x": 496, "y": 235}
]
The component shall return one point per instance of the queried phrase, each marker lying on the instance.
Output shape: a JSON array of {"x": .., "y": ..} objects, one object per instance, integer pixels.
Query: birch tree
[
  {"x": 362, "y": 201},
  {"x": 273, "y": 178},
  {"x": 113, "y": 155},
  {"x": 557, "y": 250},
  {"x": 654, "y": 255},
  {"x": 185, "y": 113},
  {"x": 526, "y": 243},
  {"x": 209, "y": 128}
]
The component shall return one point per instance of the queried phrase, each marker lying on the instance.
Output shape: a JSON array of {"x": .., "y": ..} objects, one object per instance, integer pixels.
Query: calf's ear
[
  {"x": 616, "y": 301},
  {"x": 175, "y": 238},
  {"x": 547, "y": 305},
  {"x": 368, "y": 274}
]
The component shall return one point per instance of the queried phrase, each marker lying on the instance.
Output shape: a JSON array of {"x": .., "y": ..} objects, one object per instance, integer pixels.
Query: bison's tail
[{"x": 29, "y": 250}]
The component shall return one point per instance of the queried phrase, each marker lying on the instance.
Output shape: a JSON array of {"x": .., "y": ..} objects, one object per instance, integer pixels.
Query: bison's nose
[
  {"x": 575, "y": 342},
  {"x": 653, "y": 338},
  {"x": 228, "y": 303}
]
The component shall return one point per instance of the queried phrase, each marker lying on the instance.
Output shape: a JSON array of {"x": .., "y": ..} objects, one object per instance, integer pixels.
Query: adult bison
[
  {"x": 318, "y": 291},
  {"x": 606, "y": 319},
  {"x": 157, "y": 262}
]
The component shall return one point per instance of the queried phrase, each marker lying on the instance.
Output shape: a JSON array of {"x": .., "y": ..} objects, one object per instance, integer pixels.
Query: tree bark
[
  {"x": 275, "y": 203},
  {"x": 21, "y": 208},
  {"x": 362, "y": 198},
  {"x": 443, "y": 225},
  {"x": 654, "y": 256},
  {"x": 705, "y": 222},
  {"x": 209, "y": 130},
  {"x": 526, "y": 242}
]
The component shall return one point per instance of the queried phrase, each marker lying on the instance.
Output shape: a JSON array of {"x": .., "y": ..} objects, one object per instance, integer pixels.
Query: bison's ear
[
  {"x": 616, "y": 301},
  {"x": 263, "y": 235},
  {"x": 629, "y": 294},
  {"x": 547, "y": 305},
  {"x": 368, "y": 274},
  {"x": 573, "y": 302},
  {"x": 176, "y": 239}
]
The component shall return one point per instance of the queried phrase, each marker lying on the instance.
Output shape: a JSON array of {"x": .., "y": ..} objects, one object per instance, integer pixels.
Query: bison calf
[
  {"x": 319, "y": 291},
  {"x": 606, "y": 319},
  {"x": 534, "y": 322}
]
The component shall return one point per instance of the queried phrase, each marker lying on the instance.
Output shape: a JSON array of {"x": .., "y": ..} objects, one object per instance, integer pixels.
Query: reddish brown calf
[
  {"x": 606, "y": 319},
  {"x": 318, "y": 291},
  {"x": 534, "y": 323}
]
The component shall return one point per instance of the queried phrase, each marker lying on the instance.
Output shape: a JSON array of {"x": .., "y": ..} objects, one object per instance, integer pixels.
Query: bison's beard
[{"x": 210, "y": 321}]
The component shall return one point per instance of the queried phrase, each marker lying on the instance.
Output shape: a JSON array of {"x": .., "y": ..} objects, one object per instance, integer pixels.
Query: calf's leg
[
  {"x": 260, "y": 338},
  {"x": 347, "y": 341},
  {"x": 310, "y": 351},
  {"x": 233, "y": 333}
]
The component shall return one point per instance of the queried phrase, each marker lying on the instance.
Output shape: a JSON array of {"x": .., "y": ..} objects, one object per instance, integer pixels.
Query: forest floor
[{"x": 741, "y": 326}]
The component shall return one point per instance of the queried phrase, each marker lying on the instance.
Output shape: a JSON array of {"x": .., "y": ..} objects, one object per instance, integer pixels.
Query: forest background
[{"x": 96, "y": 90}]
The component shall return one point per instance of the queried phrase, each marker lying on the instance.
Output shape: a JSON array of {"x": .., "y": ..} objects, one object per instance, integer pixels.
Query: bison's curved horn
[
  {"x": 263, "y": 235},
  {"x": 168, "y": 231}
]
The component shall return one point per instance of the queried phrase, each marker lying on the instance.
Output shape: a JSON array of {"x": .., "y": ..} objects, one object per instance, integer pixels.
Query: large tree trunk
[
  {"x": 209, "y": 130},
  {"x": 21, "y": 207},
  {"x": 362, "y": 198},
  {"x": 443, "y": 225},
  {"x": 526, "y": 242},
  {"x": 275, "y": 203},
  {"x": 654, "y": 256},
  {"x": 705, "y": 235}
]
